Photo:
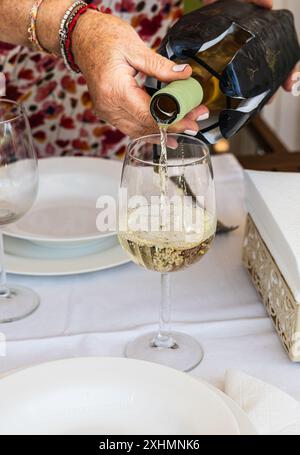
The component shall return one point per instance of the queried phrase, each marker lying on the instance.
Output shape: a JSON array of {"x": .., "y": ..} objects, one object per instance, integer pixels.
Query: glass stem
[
  {"x": 4, "y": 291},
  {"x": 164, "y": 338}
]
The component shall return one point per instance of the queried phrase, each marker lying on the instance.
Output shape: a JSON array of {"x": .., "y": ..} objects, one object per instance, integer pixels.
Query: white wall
[{"x": 283, "y": 115}]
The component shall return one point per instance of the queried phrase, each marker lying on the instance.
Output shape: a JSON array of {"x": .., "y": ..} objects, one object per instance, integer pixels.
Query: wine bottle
[
  {"x": 240, "y": 55},
  {"x": 173, "y": 102}
]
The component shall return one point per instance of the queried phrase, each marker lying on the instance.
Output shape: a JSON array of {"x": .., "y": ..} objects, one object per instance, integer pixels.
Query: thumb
[{"x": 163, "y": 69}]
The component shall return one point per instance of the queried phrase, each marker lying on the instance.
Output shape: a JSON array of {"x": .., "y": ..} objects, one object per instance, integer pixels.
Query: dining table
[{"x": 97, "y": 314}]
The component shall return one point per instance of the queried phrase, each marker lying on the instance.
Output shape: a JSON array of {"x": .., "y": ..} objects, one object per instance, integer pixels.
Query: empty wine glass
[
  {"x": 167, "y": 222},
  {"x": 18, "y": 189}
]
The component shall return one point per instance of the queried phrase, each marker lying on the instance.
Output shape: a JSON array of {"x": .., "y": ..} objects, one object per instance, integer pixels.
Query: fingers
[
  {"x": 263, "y": 3},
  {"x": 137, "y": 106},
  {"x": 200, "y": 113},
  {"x": 189, "y": 125},
  {"x": 153, "y": 64},
  {"x": 131, "y": 114},
  {"x": 131, "y": 128},
  {"x": 289, "y": 83}
]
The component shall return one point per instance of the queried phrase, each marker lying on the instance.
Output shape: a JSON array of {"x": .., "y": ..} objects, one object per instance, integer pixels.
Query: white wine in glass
[{"x": 164, "y": 229}]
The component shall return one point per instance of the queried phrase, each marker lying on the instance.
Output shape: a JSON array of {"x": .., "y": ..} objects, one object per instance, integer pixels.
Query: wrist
[
  {"x": 86, "y": 28},
  {"x": 49, "y": 18}
]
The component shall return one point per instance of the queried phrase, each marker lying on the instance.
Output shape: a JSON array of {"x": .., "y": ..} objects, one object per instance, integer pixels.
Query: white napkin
[{"x": 271, "y": 411}]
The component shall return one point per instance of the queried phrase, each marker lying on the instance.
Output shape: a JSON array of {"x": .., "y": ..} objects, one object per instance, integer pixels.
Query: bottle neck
[{"x": 171, "y": 103}]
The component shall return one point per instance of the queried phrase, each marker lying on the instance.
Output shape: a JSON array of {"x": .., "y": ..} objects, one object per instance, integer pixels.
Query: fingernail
[
  {"x": 179, "y": 68},
  {"x": 203, "y": 117},
  {"x": 191, "y": 132}
]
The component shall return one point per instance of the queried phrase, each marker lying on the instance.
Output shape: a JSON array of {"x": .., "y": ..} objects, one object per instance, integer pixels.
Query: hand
[
  {"x": 110, "y": 53},
  {"x": 288, "y": 85}
]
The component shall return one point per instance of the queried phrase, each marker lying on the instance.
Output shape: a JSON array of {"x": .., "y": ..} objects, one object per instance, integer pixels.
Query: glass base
[
  {"x": 20, "y": 303},
  {"x": 186, "y": 354}
]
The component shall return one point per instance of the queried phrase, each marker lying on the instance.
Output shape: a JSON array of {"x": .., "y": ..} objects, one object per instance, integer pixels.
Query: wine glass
[
  {"x": 18, "y": 189},
  {"x": 167, "y": 222}
]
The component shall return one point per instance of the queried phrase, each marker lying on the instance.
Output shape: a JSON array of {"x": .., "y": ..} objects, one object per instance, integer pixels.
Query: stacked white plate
[
  {"x": 59, "y": 236},
  {"x": 111, "y": 396}
]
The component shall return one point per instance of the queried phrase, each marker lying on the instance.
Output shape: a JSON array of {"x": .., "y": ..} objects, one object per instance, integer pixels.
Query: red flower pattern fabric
[{"x": 58, "y": 103}]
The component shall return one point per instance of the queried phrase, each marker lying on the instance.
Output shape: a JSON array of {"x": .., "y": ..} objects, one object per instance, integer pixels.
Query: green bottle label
[{"x": 186, "y": 95}]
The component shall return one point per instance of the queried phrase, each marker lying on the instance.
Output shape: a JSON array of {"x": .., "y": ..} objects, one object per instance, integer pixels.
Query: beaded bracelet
[
  {"x": 32, "y": 36},
  {"x": 67, "y": 27}
]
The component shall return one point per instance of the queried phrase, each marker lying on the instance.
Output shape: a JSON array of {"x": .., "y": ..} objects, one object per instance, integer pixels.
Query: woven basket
[{"x": 275, "y": 293}]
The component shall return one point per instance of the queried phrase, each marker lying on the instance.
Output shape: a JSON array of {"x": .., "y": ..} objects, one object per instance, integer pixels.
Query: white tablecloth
[{"x": 98, "y": 313}]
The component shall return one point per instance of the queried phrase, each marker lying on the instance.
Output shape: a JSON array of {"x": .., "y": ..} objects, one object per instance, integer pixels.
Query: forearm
[{"x": 15, "y": 22}]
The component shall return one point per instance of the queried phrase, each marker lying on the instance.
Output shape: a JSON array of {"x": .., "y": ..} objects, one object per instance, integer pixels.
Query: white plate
[
  {"x": 26, "y": 258},
  {"x": 246, "y": 428},
  {"x": 65, "y": 210},
  {"x": 110, "y": 396}
]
